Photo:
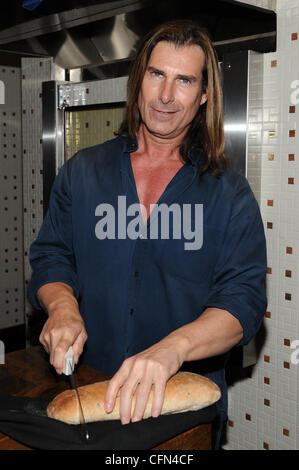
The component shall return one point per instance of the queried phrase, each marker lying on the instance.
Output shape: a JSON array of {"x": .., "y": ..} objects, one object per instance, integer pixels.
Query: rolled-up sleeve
[
  {"x": 51, "y": 254},
  {"x": 239, "y": 276}
]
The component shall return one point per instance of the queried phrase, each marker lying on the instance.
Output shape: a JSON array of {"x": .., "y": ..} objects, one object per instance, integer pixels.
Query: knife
[{"x": 69, "y": 366}]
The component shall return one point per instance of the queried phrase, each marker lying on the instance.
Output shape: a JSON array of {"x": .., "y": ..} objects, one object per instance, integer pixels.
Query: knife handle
[{"x": 69, "y": 362}]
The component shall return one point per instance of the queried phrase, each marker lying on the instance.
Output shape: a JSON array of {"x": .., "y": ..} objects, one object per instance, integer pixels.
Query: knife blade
[{"x": 69, "y": 367}]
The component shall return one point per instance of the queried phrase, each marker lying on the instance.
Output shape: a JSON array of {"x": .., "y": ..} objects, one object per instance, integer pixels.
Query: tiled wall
[
  {"x": 91, "y": 127},
  {"x": 11, "y": 206},
  {"x": 264, "y": 408},
  {"x": 33, "y": 72}
]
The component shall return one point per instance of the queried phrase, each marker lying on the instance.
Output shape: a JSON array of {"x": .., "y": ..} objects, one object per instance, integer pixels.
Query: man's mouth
[{"x": 164, "y": 111}]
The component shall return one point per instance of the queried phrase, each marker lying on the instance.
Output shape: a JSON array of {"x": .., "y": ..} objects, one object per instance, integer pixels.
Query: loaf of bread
[{"x": 185, "y": 391}]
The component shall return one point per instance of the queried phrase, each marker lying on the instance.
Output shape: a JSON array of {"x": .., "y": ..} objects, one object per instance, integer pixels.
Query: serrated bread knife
[{"x": 69, "y": 366}]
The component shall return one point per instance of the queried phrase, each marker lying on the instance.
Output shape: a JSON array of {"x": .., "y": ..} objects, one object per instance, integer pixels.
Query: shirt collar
[
  {"x": 196, "y": 155},
  {"x": 130, "y": 144}
]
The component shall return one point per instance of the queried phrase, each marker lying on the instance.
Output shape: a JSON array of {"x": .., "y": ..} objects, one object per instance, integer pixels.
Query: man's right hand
[{"x": 64, "y": 327}]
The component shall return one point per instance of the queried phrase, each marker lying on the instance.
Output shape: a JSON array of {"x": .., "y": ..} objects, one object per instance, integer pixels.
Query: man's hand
[
  {"x": 62, "y": 330},
  {"x": 152, "y": 367},
  {"x": 64, "y": 327},
  {"x": 214, "y": 332}
]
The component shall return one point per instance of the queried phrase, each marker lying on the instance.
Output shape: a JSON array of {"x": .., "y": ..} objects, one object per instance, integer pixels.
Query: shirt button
[
  {"x": 131, "y": 311},
  {"x": 136, "y": 274}
]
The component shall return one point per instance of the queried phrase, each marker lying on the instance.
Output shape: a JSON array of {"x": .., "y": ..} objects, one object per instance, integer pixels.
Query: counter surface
[{"x": 28, "y": 373}]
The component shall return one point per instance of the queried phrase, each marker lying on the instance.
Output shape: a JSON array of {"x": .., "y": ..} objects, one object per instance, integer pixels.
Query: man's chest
[{"x": 151, "y": 182}]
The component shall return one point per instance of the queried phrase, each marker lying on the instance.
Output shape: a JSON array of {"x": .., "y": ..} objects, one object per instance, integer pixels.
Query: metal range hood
[{"x": 101, "y": 37}]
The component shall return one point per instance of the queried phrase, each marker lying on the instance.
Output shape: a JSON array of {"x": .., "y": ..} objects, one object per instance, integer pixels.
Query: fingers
[
  {"x": 78, "y": 345},
  {"x": 156, "y": 383},
  {"x": 114, "y": 386},
  {"x": 142, "y": 397},
  {"x": 159, "y": 393},
  {"x": 57, "y": 354},
  {"x": 57, "y": 340},
  {"x": 140, "y": 376}
]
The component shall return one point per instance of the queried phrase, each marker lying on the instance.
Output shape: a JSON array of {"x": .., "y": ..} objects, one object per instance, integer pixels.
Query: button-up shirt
[{"x": 134, "y": 286}]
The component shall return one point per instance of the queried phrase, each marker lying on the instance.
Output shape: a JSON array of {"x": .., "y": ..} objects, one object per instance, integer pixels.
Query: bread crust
[{"x": 185, "y": 391}]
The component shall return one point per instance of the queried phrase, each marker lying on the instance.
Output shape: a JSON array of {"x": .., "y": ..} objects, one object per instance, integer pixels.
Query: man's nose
[{"x": 167, "y": 92}]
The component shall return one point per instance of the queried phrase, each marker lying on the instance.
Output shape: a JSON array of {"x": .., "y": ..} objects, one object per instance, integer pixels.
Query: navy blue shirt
[{"x": 134, "y": 292}]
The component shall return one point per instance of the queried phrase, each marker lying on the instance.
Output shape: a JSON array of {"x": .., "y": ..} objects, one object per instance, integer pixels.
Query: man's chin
[{"x": 164, "y": 134}]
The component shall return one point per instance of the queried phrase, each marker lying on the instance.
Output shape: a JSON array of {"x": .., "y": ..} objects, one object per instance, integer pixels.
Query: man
[{"x": 150, "y": 305}]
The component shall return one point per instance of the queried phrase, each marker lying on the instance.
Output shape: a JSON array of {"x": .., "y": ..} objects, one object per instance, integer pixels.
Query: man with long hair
[{"x": 146, "y": 307}]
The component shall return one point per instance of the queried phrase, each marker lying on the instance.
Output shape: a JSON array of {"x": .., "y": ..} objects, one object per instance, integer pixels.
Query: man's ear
[{"x": 204, "y": 97}]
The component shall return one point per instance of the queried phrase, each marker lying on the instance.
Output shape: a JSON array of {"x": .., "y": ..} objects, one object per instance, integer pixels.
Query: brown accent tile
[
  {"x": 271, "y": 156},
  {"x": 266, "y": 358},
  {"x": 290, "y": 180},
  {"x": 273, "y": 63},
  {"x": 270, "y": 202},
  {"x": 286, "y": 342},
  {"x": 292, "y": 109},
  {"x": 269, "y": 225},
  {"x": 269, "y": 270},
  {"x": 266, "y": 402},
  {"x": 266, "y": 380},
  {"x": 266, "y": 445},
  {"x": 289, "y": 250},
  {"x": 268, "y": 315},
  {"x": 294, "y": 36},
  {"x": 230, "y": 423},
  {"x": 292, "y": 133},
  {"x": 291, "y": 157},
  {"x": 288, "y": 273},
  {"x": 286, "y": 365},
  {"x": 248, "y": 417},
  {"x": 288, "y": 296},
  {"x": 285, "y": 432}
]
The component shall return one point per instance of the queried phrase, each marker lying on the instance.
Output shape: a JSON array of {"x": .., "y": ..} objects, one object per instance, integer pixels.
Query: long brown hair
[{"x": 206, "y": 129}]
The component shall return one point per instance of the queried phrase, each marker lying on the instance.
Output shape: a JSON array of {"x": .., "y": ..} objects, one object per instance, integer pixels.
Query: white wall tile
[{"x": 271, "y": 397}]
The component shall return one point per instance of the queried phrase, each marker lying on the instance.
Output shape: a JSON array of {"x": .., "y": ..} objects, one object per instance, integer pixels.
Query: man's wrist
[{"x": 181, "y": 343}]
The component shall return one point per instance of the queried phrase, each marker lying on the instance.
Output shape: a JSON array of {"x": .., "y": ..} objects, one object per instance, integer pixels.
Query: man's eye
[
  {"x": 155, "y": 73},
  {"x": 185, "y": 81}
]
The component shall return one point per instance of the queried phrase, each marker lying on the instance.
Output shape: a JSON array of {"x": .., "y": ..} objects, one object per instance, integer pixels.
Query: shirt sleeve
[
  {"x": 51, "y": 254},
  {"x": 239, "y": 277}
]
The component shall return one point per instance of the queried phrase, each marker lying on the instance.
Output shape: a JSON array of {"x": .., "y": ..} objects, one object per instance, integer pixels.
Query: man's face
[{"x": 170, "y": 93}]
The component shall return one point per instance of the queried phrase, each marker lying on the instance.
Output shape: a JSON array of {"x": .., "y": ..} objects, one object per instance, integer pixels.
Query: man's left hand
[{"x": 152, "y": 367}]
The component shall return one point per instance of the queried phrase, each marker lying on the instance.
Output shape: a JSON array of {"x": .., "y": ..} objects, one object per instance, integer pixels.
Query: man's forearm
[
  {"x": 215, "y": 332},
  {"x": 57, "y": 295},
  {"x": 65, "y": 326}
]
